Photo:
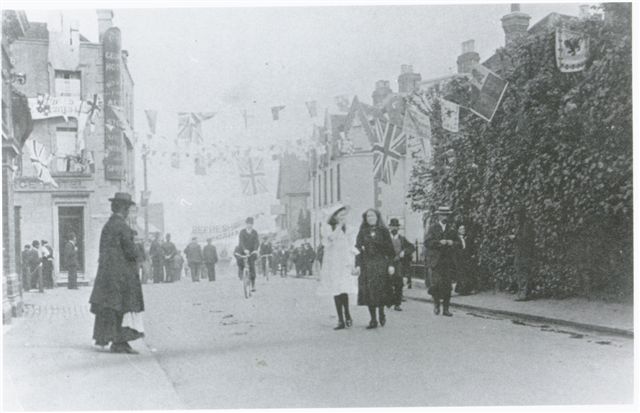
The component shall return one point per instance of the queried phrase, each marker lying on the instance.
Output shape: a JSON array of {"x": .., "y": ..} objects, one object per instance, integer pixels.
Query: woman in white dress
[{"x": 338, "y": 272}]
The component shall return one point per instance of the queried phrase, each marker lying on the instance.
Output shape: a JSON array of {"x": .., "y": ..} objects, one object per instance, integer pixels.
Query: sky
[{"x": 227, "y": 60}]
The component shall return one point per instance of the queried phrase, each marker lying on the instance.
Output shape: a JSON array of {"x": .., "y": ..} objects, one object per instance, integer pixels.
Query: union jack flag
[
  {"x": 389, "y": 146},
  {"x": 252, "y": 176},
  {"x": 190, "y": 125},
  {"x": 41, "y": 159}
]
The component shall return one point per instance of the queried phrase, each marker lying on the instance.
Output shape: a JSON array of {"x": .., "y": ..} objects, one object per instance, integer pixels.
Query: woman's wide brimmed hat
[
  {"x": 122, "y": 197},
  {"x": 333, "y": 209}
]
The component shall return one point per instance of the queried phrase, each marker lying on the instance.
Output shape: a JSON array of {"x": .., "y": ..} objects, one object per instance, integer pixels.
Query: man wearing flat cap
[
  {"x": 441, "y": 241},
  {"x": 117, "y": 291}
]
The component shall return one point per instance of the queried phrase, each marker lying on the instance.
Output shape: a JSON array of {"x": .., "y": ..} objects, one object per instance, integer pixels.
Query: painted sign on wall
[{"x": 113, "y": 160}]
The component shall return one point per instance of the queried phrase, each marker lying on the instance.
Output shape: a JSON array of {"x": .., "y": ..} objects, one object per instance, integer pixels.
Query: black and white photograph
[{"x": 301, "y": 204}]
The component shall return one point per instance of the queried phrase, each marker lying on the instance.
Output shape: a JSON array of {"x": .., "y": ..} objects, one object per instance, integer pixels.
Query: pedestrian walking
[
  {"x": 249, "y": 242},
  {"x": 210, "y": 256},
  {"x": 465, "y": 277},
  {"x": 71, "y": 261},
  {"x": 320, "y": 254},
  {"x": 116, "y": 299},
  {"x": 177, "y": 265},
  {"x": 309, "y": 258},
  {"x": 157, "y": 259},
  {"x": 47, "y": 264},
  {"x": 284, "y": 262},
  {"x": 441, "y": 241},
  {"x": 337, "y": 276},
  {"x": 142, "y": 256},
  {"x": 376, "y": 265},
  {"x": 168, "y": 253},
  {"x": 193, "y": 253},
  {"x": 401, "y": 262}
]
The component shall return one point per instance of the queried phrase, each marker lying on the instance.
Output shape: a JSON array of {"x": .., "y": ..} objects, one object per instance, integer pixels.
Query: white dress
[{"x": 338, "y": 263}]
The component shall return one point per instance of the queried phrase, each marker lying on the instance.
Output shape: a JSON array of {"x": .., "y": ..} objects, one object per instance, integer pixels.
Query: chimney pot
[{"x": 105, "y": 21}]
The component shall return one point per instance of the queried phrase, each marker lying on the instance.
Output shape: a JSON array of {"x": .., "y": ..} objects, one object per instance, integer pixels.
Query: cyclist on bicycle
[
  {"x": 248, "y": 243},
  {"x": 266, "y": 256}
]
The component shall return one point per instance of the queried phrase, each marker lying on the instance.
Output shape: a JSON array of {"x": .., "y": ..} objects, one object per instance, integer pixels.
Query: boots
[
  {"x": 445, "y": 308},
  {"x": 436, "y": 306}
]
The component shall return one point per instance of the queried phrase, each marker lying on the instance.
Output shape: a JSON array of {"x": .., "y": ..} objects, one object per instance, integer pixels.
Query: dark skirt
[
  {"x": 108, "y": 327},
  {"x": 374, "y": 283}
]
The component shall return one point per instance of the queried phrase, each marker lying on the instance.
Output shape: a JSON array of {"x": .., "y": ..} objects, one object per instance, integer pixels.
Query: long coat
[
  {"x": 441, "y": 258},
  {"x": 193, "y": 252},
  {"x": 335, "y": 274},
  {"x": 117, "y": 285},
  {"x": 376, "y": 255},
  {"x": 71, "y": 256}
]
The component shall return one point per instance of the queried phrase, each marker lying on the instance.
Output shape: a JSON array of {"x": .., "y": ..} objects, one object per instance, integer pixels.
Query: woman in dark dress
[{"x": 375, "y": 264}]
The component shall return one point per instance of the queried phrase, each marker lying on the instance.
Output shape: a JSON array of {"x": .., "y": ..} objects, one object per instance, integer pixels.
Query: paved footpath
[
  {"x": 606, "y": 317},
  {"x": 207, "y": 347}
]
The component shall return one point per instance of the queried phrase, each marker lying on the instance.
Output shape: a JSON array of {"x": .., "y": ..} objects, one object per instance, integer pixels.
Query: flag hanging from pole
[
  {"x": 252, "y": 176},
  {"x": 152, "y": 117},
  {"x": 572, "y": 50},
  {"x": 389, "y": 147},
  {"x": 450, "y": 115},
  {"x": 190, "y": 125},
  {"x": 312, "y": 107},
  {"x": 275, "y": 112},
  {"x": 488, "y": 89},
  {"x": 40, "y": 159}
]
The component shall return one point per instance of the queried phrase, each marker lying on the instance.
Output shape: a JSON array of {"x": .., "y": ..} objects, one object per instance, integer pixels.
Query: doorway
[{"x": 71, "y": 220}]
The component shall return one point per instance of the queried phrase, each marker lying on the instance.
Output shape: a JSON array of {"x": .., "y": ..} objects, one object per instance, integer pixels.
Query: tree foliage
[{"x": 560, "y": 146}]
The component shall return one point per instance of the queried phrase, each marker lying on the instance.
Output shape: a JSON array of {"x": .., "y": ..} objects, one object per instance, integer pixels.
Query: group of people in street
[
  {"x": 167, "y": 262},
  {"x": 37, "y": 264},
  {"x": 370, "y": 263},
  {"x": 374, "y": 262}
]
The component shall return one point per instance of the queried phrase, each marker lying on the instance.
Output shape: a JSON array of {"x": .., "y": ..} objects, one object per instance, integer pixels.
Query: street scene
[{"x": 220, "y": 206}]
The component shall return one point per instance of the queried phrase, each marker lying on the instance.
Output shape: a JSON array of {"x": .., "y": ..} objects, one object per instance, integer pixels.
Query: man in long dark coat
[
  {"x": 193, "y": 252},
  {"x": 441, "y": 241},
  {"x": 117, "y": 289},
  {"x": 401, "y": 261},
  {"x": 71, "y": 262},
  {"x": 47, "y": 264},
  {"x": 168, "y": 254},
  {"x": 210, "y": 256}
]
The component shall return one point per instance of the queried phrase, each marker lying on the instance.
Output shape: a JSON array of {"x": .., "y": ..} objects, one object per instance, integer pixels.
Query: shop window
[{"x": 67, "y": 83}]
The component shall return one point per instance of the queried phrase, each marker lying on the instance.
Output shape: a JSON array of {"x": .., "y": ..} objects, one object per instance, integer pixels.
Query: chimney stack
[
  {"x": 468, "y": 58},
  {"x": 515, "y": 24},
  {"x": 105, "y": 22},
  {"x": 383, "y": 90},
  {"x": 408, "y": 81}
]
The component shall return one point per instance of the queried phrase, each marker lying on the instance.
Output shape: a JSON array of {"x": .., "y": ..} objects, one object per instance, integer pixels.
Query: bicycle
[
  {"x": 266, "y": 265},
  {"x": 246, "y": 275}
]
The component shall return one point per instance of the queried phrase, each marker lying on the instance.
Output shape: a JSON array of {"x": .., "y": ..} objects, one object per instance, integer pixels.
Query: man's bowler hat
[{"x": 122, "y": 197}]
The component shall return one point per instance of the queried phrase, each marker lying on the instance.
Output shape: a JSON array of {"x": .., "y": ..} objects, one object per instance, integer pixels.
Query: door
[{"x": 71, "y": 220}]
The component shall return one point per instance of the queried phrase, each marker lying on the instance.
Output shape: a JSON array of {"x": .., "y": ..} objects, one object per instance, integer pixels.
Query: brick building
[
  {"x": 16, "y": 128},
  {"x": 81, "y": 98},
  {"x": 346, "y": 175}
]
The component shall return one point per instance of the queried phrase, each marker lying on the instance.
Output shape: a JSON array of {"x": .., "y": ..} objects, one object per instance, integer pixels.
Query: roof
[
  {"x": 39, "y": 31},
  {"x": 293, "y": 176},
  {"x": 550, "y": 21}
]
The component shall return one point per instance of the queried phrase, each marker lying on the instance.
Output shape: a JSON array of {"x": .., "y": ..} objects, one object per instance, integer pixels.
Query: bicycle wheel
[{"x": 245, "y": 284}]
